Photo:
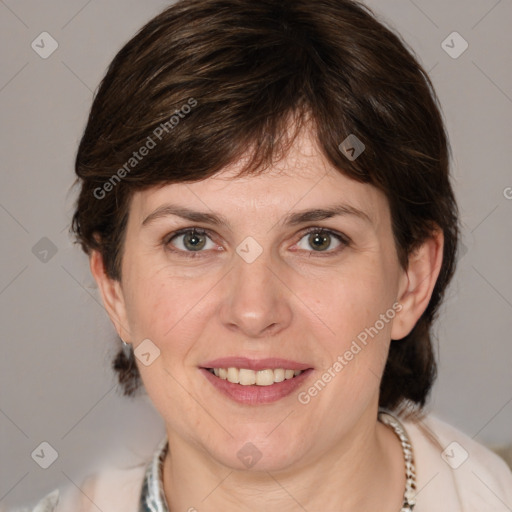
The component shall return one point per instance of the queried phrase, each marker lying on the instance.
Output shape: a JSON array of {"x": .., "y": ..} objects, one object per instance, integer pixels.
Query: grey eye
[
  {"x": 320, "y": 240},
  {"x": 191, "y": 241}
]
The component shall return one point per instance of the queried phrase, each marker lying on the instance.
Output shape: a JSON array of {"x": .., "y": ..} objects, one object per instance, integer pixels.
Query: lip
[
  {"x": 257, "y": 395},
  {"x": 255, "y": 364}
]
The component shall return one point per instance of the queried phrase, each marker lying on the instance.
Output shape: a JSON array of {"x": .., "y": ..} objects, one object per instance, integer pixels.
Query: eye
[
  {"x": 321, "y": 240},
  {"x": 189, "y": 240}
]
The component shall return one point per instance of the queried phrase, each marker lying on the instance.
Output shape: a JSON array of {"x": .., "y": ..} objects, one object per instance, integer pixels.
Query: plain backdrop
[{"x": 57, "y": 343}]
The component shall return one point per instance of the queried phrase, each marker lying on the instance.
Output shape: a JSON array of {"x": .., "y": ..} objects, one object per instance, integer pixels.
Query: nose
[{"x": 256, "y": 302}]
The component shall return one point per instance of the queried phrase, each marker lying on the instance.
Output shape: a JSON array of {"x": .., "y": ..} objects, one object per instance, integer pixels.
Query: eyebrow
[{"x": 292, "y": 219}]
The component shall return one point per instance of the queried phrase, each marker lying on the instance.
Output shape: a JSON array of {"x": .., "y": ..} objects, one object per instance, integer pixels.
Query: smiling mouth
[{"x": 247, "y": 377}]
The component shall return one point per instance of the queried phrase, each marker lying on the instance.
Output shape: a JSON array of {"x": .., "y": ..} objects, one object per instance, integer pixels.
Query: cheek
[
  {"x": 356, "y": 353},
  {"x": 352, "y": 299},
  {"x": 166, "y": 307},
  {"x": 357, "y": 305}
]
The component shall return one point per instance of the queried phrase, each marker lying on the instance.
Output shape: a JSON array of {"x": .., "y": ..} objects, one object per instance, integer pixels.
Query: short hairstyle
[{"x": 209, "y": 82}]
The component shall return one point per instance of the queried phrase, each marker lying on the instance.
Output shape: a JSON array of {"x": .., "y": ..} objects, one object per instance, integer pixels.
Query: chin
[{"x": 260, "y": 452}]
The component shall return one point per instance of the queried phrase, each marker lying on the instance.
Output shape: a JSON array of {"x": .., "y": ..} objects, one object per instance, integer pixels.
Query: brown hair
[{"x": 206, "y": 80}]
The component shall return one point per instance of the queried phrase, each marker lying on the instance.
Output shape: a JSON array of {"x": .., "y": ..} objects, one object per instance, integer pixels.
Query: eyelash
[{"x": 343, "y": 239}]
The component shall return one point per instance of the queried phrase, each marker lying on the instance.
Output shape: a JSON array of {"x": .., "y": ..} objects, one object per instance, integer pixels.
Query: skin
[{"x": 294, "y": 301}]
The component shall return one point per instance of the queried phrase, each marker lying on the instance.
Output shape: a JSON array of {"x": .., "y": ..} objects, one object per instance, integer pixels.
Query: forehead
[{"x": 302, "y": 179}]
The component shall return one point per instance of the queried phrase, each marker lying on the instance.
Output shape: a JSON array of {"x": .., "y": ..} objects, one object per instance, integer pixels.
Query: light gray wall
[{"x": 57, "y": 342}]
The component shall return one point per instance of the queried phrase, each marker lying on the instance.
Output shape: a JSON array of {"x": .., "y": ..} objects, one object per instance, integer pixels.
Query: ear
[
  {"x": 111, "y": 294},
  {"x": 417, "y": 284}
]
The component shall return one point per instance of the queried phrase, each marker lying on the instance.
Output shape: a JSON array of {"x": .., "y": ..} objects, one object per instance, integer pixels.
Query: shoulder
[
  {"x": 110, "y": 490},
  {"x": 454, "y": 471},
  {"x": 47, "y": 504}
]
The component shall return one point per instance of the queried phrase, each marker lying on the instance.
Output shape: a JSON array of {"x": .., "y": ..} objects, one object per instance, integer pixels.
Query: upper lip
[{"x": 255, "y": 364}]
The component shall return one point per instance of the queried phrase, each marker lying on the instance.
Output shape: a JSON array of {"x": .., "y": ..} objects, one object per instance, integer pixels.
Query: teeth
[
  {"x": 264, "y": 377},
  {"x": 278, "y": 375},
  {"x": 247, "y": 377},
  {"x": 232, "y": 375}
]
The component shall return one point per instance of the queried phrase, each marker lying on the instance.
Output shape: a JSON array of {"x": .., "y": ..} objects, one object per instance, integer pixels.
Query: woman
[{"x": 266, "y": 204}]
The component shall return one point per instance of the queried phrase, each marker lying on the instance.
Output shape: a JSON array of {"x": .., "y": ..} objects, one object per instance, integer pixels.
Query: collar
[{"x": 152, "y": 497}]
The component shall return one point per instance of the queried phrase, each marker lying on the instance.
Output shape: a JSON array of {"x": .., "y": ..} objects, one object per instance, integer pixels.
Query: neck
[{"x": 364, "y": 471}]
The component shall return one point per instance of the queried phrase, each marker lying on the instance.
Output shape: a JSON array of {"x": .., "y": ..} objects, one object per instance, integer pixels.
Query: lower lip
[{"x": 255, "y": 395}]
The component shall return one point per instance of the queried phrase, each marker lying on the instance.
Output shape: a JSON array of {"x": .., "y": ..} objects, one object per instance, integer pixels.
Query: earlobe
[
  {"x": 418, "y": 283},
  {"x": 111, "y": 294}
]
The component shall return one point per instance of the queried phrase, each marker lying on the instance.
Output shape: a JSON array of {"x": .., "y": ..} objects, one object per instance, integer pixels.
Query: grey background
[{"x": 55, "y": 379}]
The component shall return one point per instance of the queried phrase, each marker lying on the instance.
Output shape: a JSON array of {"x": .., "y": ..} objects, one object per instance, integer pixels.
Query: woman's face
[{"x": 258, "y": 286}]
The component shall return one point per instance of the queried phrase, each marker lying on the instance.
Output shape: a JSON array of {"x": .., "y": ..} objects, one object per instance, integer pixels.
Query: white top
[{"x": 454, "y": 473}]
